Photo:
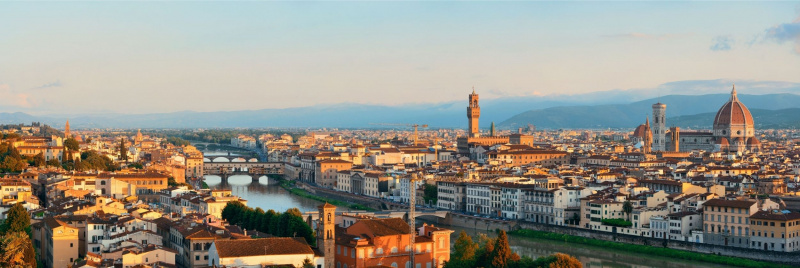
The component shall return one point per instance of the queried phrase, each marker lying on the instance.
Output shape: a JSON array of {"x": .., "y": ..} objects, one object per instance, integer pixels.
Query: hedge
[
  {"x": 656, "y": 251},
  {"x": 616, "y": 222}
]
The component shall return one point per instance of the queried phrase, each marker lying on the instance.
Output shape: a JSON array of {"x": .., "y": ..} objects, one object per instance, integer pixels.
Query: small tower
[
  {"x": 648, "y": 138},
  {"x": 66, "y": 131},
  {"x": 659, "y": 127},
  {"x": 326, "y": 233},
  {"x": 473, "y": 114},
  {"x": 493, "y": 133},
  {"x": 676, "y": 138}
]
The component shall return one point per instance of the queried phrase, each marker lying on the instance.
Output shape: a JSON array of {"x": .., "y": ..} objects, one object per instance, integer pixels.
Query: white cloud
[
  {"x": 786, "y": 32},
  {"x": 722, "y": 43}
]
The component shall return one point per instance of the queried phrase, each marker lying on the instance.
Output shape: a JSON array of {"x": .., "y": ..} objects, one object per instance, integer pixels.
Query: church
[{"x": 733, "y": 131}]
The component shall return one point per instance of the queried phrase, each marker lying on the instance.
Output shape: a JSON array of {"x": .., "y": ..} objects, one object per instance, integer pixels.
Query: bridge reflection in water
[{"x": 262, "y": 192}]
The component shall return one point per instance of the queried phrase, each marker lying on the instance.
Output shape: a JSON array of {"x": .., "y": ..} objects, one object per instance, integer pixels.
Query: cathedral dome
[
  {"x": 640, "y": 131},
  {"x": 733, "y": 113}
]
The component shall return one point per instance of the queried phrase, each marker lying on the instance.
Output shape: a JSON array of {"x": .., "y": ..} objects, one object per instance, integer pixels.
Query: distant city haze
[{"x": 154, "y": 57}]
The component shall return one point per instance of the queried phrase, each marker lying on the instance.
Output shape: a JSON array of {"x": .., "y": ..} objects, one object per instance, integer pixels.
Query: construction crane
[
  {"x": 415, "y": 126},
  {"x": 412, "y": 203}
]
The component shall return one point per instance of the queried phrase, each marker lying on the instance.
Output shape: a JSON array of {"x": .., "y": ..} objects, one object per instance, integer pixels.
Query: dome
[
  {"x": 753, "y": 141},
  {"x": 733, "y": 113},
  {"x": 640, "y": 131},
  {"x": 723, "y": 141}
]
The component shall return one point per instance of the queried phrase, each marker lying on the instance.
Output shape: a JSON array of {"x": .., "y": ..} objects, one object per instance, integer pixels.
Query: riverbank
[
  {"x": 289, "y": 186},
  {"x": 649, "y": 250}
]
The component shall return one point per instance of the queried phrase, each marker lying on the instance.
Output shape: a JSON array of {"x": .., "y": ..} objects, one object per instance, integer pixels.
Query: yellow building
[
  {"x": 775, "y": 231},
  {"x": 57, "y": 242},
  {"x": 727, "y": 222}
]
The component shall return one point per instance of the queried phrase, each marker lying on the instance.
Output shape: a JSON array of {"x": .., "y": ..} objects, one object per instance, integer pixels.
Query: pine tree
[
  {"x": 502, "y": 254},
  {"x": 627, "y": 207},
  {"x": 123, "y": 151}
]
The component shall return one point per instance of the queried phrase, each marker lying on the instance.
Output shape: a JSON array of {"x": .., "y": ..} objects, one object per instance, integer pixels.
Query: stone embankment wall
[
  {"x": 490, "y": 225},
  {"x": 761, "y": 255}
]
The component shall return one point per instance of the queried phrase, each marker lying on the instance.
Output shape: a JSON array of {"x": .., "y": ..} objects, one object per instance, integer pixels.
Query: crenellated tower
[{"x": 473, "y": 114}]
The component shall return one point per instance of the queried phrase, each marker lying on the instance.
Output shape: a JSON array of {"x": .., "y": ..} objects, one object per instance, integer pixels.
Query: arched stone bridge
[
  {"x": 228, "y": 158},
  {"x": 252, "y": 169}
]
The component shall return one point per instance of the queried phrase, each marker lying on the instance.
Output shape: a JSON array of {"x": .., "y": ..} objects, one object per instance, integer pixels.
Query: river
[{"x": 271, "y": 196}]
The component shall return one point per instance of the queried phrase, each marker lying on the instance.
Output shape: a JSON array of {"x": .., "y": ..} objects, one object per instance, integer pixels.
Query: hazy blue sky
[{"x": 140, "y": 57}]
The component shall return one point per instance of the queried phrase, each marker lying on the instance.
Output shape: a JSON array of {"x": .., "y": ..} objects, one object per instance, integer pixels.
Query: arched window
[
  {"x": 329, "y": 217},
  {"x": 394, "y": 250},
  {"x": 379, "y": 251},
  {"x": 394, "y": 264}
]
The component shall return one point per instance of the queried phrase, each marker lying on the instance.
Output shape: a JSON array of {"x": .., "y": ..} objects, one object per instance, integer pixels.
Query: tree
[
  {"x": 17, "y": 250},
  {"x": 53, "y": 163},
  {"x": 484, "y": 255},
  {"x": 565, "y": 261},
  {"x": 171, "y": 181},
  {"x": 627, "y": 207},
  {"x": 123, "y": 151},
  {"x": 307, "y": 263},
  {"x": 464, "y": 247},
  {"x": 38, "y": 160},
  {"x": 431, "y": 194},
  {"x": 17, "y": 220},
  {"x": 72, "y": 144},
  {"x": 502, "y": 254}
]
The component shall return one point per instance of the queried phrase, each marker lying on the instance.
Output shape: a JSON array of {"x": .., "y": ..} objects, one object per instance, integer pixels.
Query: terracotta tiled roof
[
  {"x": 384, "y": 227},
  {"x": 261, "y": 247},
  {"x": 733, "y": 112},
  {"x": 729, "y": 203}
]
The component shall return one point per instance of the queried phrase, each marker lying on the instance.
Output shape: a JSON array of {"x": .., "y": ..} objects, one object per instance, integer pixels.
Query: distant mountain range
[
  {"x": 682, "y": 111},
  {"x": 510, "y": 113}
]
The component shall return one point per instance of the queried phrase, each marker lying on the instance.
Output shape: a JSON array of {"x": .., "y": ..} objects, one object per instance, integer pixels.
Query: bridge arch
[{"x": 221, "y": 159}]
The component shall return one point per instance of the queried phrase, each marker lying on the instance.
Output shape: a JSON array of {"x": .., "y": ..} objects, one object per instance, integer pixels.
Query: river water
[{"x": 268, "y": 196}]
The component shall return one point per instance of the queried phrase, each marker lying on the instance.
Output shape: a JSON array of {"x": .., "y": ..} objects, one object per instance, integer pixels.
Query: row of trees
[
  {"x": 15, "y": 239},
  {"x": 496, "y": 253},
  {"x": 287, "y": 224}
]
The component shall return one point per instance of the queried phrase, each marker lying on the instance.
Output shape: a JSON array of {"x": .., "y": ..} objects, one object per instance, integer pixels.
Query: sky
[{"x": 159, "y": 57}]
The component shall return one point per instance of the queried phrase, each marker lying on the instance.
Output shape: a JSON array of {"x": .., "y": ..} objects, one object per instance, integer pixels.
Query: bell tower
[
  {"x": 66, "y": 131},
  {"x": 473, "y": 114},
  {"x": 326, "y": 233},
  {"x": 659, "y": 127}
]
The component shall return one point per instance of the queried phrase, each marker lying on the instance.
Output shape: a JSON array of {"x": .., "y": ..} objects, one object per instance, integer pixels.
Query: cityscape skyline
[{"x": 114, "y": 57}]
